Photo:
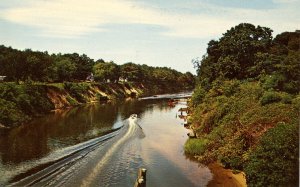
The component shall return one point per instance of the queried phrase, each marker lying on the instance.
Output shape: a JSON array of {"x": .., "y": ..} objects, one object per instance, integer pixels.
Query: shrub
[
  {"x": 270, "y": 97},
  {"x": 296, "y": 102},
  {"x": 270, "y": 82},
  {"x": 234, "y": 150},
  {"x": 291, "y": 86},
  {"x": 10, "y": 114},
  {"x": 198, "y": 95},
  {"x": 287, "y": 99},
  {"x": 231, "y": 87},
  {"x": 77, "y": 90},
  {"x": 37, "y": 100},
  {"x": 275, "y": 161},
  {"x": 71, "y": 100},
  {"x": 101, "y": 97},
  {"x": 20, "y": 102},
  {"x": 195, "y": 146}
]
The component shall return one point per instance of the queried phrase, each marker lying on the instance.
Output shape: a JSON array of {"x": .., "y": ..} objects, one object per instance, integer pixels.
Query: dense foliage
[
  {"x": 283, "y": 170},
  {"x": 31, "y": 65},
  {"x": 20, "y": 102},
  {"x": 246, "y": 101}
]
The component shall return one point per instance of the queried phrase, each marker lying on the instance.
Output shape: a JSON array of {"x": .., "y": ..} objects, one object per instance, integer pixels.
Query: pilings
[{"x": 141, "y": 179}]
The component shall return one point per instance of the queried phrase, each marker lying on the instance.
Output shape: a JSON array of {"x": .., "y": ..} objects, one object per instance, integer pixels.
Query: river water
[{"x": 101, "y": 145}]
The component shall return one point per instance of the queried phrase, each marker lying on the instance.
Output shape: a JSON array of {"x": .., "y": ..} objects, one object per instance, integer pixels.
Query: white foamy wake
[{"x": 105, "y": 159}]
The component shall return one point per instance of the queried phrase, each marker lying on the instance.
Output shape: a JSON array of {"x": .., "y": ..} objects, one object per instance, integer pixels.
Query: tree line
[
  {"x": 247, "y": 52},
  {"x": 28, "y": 65}
]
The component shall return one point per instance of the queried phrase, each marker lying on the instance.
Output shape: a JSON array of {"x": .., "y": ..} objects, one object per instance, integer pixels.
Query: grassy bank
[
  {"x": 245, "y": 109},
  {"x": 246, "y": 127}
]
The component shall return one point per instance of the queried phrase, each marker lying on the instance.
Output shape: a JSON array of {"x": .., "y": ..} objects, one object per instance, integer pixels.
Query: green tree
[
  {"x": 84, "y": 65},
  {"x": 281, "y": 66},
  {"x": 63, "y": 70},
  {"x": 12, "y": 63},
  {"x": 104, "y": 71},
  {"x": 234, "y": 53},
  {"x": 37, "y": 64},
  {"x": 187, "y": 80},
  {"x": 132, "y": 72}
]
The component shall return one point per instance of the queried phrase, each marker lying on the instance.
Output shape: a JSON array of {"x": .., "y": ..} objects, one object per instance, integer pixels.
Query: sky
[{"x": 167, "y": 33}]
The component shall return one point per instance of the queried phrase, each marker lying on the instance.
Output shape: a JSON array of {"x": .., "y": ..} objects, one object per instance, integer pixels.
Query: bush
[
  {"x": 231, "y": 87},
  {"x": 296, "y": 102},
  {"x": 275, "y": 161},
  {"x": 37, "y": 99},
  {"x": 198, "y": 95},
  {"x": 101, "y": 97},
  {"x": 270, "y": 97},
  {"x": 291, "y": 86},
  {"x": 195, "y": 146},
  {"x": 287, "y": 98},
  {"x": 77, "y": 90},
  {"x": 20, "y": 102},
  {"x": 270, "y": 82},
  {"x": 10, "y": 114},
  {"x": 71, "y": 100}
]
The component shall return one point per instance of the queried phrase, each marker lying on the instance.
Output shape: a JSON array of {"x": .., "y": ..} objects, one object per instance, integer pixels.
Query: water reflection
[
  {"x": 159, "y": 146},
  {"x": 23, "y": 144},
  {"x": 60, "y": 129},
  {"x": 68, "y": 127}
]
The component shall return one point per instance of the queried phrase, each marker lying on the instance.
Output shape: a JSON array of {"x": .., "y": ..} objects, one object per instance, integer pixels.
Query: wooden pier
[{"x": 141, "y": 179}]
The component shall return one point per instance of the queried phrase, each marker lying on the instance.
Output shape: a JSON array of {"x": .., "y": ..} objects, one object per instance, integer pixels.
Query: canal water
[{"x": 102, "y": 145}]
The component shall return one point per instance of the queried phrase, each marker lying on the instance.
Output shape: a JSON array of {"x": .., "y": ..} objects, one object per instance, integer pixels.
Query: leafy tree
[
  {"x": 104, "y": 71},
  {"x": 63, "y": 69},
  {"x": 84, "y": 65},
  {"x": 282, "y": 63},
  {"x": 187, "y": 79},
  {"x": 132, "y": 72},
  {"x": 234, "y": 53},
  {"x": 12, "y": 63},
  {"x": 164, "y": 75},
  {"x": 37, "y": 64}
]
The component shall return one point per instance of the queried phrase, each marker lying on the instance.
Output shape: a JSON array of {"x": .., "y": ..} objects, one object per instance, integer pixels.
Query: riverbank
[
  {"x": 21, "y": 103},
  {"x": 242, "y": 125},
  {"x": 225, "y": 177},
  {"x": 245, "y": 108}
]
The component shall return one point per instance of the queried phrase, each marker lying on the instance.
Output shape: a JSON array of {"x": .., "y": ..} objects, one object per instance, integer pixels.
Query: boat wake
[{"x": 101, "y": 161}]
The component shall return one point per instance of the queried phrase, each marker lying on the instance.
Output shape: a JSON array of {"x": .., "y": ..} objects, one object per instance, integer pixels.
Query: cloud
[
  {"x": 285, "y": 1},
  {"x": 75, "y": 18}
]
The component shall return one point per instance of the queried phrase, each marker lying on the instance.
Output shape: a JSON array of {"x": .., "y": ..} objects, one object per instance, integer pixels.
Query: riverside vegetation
[
  {"x": 37, "y": 82},
  {"x": 245, "y": 108}
]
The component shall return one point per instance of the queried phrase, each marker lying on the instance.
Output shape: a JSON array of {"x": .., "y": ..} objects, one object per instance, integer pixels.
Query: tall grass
[{"x": 194, "y": 146}]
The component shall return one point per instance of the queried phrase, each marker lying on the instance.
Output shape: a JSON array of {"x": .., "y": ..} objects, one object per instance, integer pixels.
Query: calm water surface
[{"x": 72, "y": 147}]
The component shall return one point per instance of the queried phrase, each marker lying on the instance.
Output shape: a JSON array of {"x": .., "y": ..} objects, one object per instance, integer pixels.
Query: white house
[
  {"x": 2, "y": 78},
  {"x": 121, "y": 79}
]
